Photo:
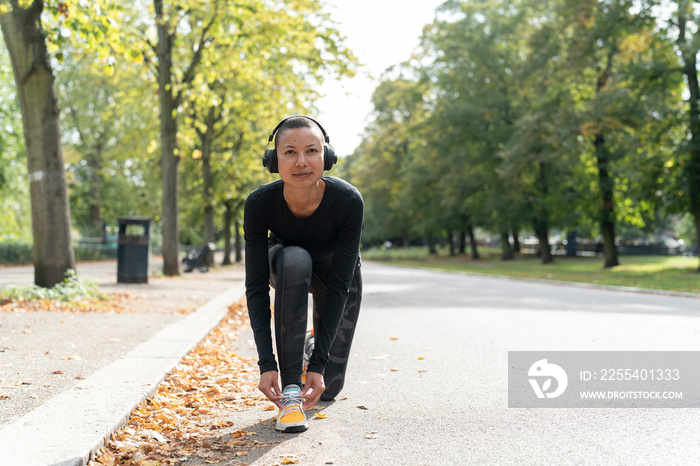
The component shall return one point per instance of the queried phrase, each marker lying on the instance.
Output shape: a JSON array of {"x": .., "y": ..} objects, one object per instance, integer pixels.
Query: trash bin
[{"x": 133, "y": 249}]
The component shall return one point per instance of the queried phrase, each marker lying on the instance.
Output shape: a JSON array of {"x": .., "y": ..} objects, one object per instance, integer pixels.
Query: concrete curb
[{"x": 66, "y": 430}]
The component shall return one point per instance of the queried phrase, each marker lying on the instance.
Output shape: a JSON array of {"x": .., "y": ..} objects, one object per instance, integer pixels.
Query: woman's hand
[
  {"x": 313, "y": 388},
  {"x": 269, "y": 385}
]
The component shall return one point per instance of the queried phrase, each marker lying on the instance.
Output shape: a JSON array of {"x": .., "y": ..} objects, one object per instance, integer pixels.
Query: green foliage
[
  {"x": 15, "y": 215},
  {"x": 492, "y": 123},
  {"x": 71, "y": 289}
]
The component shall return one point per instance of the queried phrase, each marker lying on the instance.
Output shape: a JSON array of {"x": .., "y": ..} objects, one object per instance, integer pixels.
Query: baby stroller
[{"x": 196, "y": 258}]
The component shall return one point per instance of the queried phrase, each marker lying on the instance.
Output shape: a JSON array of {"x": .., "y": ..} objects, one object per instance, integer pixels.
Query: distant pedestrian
[{"x": 302, "y": 234}]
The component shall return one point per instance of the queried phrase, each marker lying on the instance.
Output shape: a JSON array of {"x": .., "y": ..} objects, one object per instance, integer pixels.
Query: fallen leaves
[
  {"x": 320, "y": 416},
  {"x": 183, "y": 420},
  {"x": 115, "y": 302}
]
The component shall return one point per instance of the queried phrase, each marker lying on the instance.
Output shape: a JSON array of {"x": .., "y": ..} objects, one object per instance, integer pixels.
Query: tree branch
[{"x": 197, "y": 57}]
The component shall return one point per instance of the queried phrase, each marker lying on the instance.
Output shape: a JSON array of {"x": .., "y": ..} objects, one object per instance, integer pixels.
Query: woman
[{"x": 314, "y": 224}]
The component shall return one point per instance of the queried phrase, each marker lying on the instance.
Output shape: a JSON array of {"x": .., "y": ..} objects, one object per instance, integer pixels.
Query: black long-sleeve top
[{"x": 331, "y": 235}]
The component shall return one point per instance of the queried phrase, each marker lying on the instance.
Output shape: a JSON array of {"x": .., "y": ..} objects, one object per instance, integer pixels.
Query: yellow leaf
[
  {"x": 289, "y": 461},
  {"x": 393, "y": 369},
  {"x": 196, "y": 154},
  {"x": 152, "y": 146},
  {"x": 394, "y": 338},
  {"x": 320, "y": 416},
  {"x": 4, "y": 8},
  {"x": 106, "y": 457},
  {"x": 421, "y": 357}
]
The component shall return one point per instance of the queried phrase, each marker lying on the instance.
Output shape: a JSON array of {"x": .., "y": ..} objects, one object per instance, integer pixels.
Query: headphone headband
[{"x": 274, "y": 131}]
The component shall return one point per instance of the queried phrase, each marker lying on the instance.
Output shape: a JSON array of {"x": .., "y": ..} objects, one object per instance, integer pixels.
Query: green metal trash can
[{"x": 133, "y": 249}]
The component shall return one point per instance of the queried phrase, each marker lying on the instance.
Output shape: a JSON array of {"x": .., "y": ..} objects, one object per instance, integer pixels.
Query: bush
[{"x": 69, "y": 290}]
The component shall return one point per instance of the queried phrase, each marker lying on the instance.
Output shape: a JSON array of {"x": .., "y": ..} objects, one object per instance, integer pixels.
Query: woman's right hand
[{"x": 269, "y": 385}]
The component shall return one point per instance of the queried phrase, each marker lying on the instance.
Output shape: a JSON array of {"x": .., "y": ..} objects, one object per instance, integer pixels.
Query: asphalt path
[{"x": 427, "y": 382}]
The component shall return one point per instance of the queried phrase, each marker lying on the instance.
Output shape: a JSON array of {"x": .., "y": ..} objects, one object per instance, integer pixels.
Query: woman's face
[{"x": 300, "y": 156}]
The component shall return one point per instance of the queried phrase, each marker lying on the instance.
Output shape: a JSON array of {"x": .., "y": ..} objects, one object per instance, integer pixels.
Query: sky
[{"x": 381, "y": 33}]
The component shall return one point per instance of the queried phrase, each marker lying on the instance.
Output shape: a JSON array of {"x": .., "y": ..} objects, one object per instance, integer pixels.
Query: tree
[
  {"x": 275, "y": 55},
  {"x": 475, "y": 55},
  {"x": 107, "y": 122},
  {"x": 688, "y": 40},
  {"x": 51, "y": 227}
]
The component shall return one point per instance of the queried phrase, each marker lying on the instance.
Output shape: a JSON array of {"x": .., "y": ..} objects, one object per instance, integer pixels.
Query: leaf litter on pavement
[
  {"x": 184, "y": 422},
  {"x": 111, "y": 302}
]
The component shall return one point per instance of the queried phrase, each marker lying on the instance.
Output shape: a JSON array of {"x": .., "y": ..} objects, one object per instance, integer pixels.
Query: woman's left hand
[{"x": 313, "y": 388}]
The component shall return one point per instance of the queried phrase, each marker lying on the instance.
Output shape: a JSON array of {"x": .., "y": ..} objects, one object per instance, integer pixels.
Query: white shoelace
[{"x": 290, "y": 402}]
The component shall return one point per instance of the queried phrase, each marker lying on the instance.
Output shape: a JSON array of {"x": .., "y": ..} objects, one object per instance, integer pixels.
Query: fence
[
  {"x": 85, "y": 249},
  {"x": 596, "y": 249},
  {"x": 21, "y": 254}
]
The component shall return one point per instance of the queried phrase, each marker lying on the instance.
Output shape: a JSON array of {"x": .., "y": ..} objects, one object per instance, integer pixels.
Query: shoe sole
[{"x": 293, "y": 429}]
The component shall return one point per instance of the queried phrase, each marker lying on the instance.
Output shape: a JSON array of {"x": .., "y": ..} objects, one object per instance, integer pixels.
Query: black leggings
[{"x": 293, "y": 277}]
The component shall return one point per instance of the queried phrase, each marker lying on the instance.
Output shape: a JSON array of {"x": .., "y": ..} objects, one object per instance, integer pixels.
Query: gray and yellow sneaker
[{"x": 291, "y": 417}]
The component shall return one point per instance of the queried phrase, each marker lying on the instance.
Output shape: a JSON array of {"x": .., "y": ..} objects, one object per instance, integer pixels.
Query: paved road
[{"x": 451, "y": 406}]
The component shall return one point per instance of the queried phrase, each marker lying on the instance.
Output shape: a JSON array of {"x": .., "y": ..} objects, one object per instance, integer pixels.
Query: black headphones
[{"x": 269, "y": 160}]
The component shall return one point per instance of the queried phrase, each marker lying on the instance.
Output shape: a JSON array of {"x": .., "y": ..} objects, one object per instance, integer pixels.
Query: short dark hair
[{"x": 298, "y": 122}]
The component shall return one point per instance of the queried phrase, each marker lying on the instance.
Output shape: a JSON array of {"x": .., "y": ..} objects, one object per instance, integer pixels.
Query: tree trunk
[
  {"x": 472, "y": 242},
  {"x": 94, "y": 161},
  {"x": 541, "y": 218},
  {"x": 239, "y": 240},
  {"x": 516, "y": 241},
  {"x": 462, "y": 244},
  {"x": 208, "y": 187},
  {"x": 607, "y": 211},
  {"x": 606, "y": 182},
  {"x": 228, "y": 206},
  {"x": 26, "y": 43},
  {"x": 170, "y": 157},
  {"x": 450, "y": 243},
  {"x": 542, "y": 233},
  {"x": 431, "y": 246},
  {"x": 690, "y": 69},
  {"x": 506, "y": 251}
]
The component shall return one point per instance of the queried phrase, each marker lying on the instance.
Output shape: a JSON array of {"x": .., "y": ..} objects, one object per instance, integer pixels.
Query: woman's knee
[{"x": 296, "y": 262}]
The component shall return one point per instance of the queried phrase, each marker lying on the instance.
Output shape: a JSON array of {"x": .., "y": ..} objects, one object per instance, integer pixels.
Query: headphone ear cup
[
  {"x": 329, "y": 157},
  {"x": 270, "y": 160}
]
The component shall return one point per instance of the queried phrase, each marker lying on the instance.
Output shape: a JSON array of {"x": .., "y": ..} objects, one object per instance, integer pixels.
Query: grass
[{"x": 672, "y": 273}]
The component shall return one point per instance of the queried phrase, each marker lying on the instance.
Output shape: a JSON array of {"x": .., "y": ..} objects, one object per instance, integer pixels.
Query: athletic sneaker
[{"x": 291, "y": 417}]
